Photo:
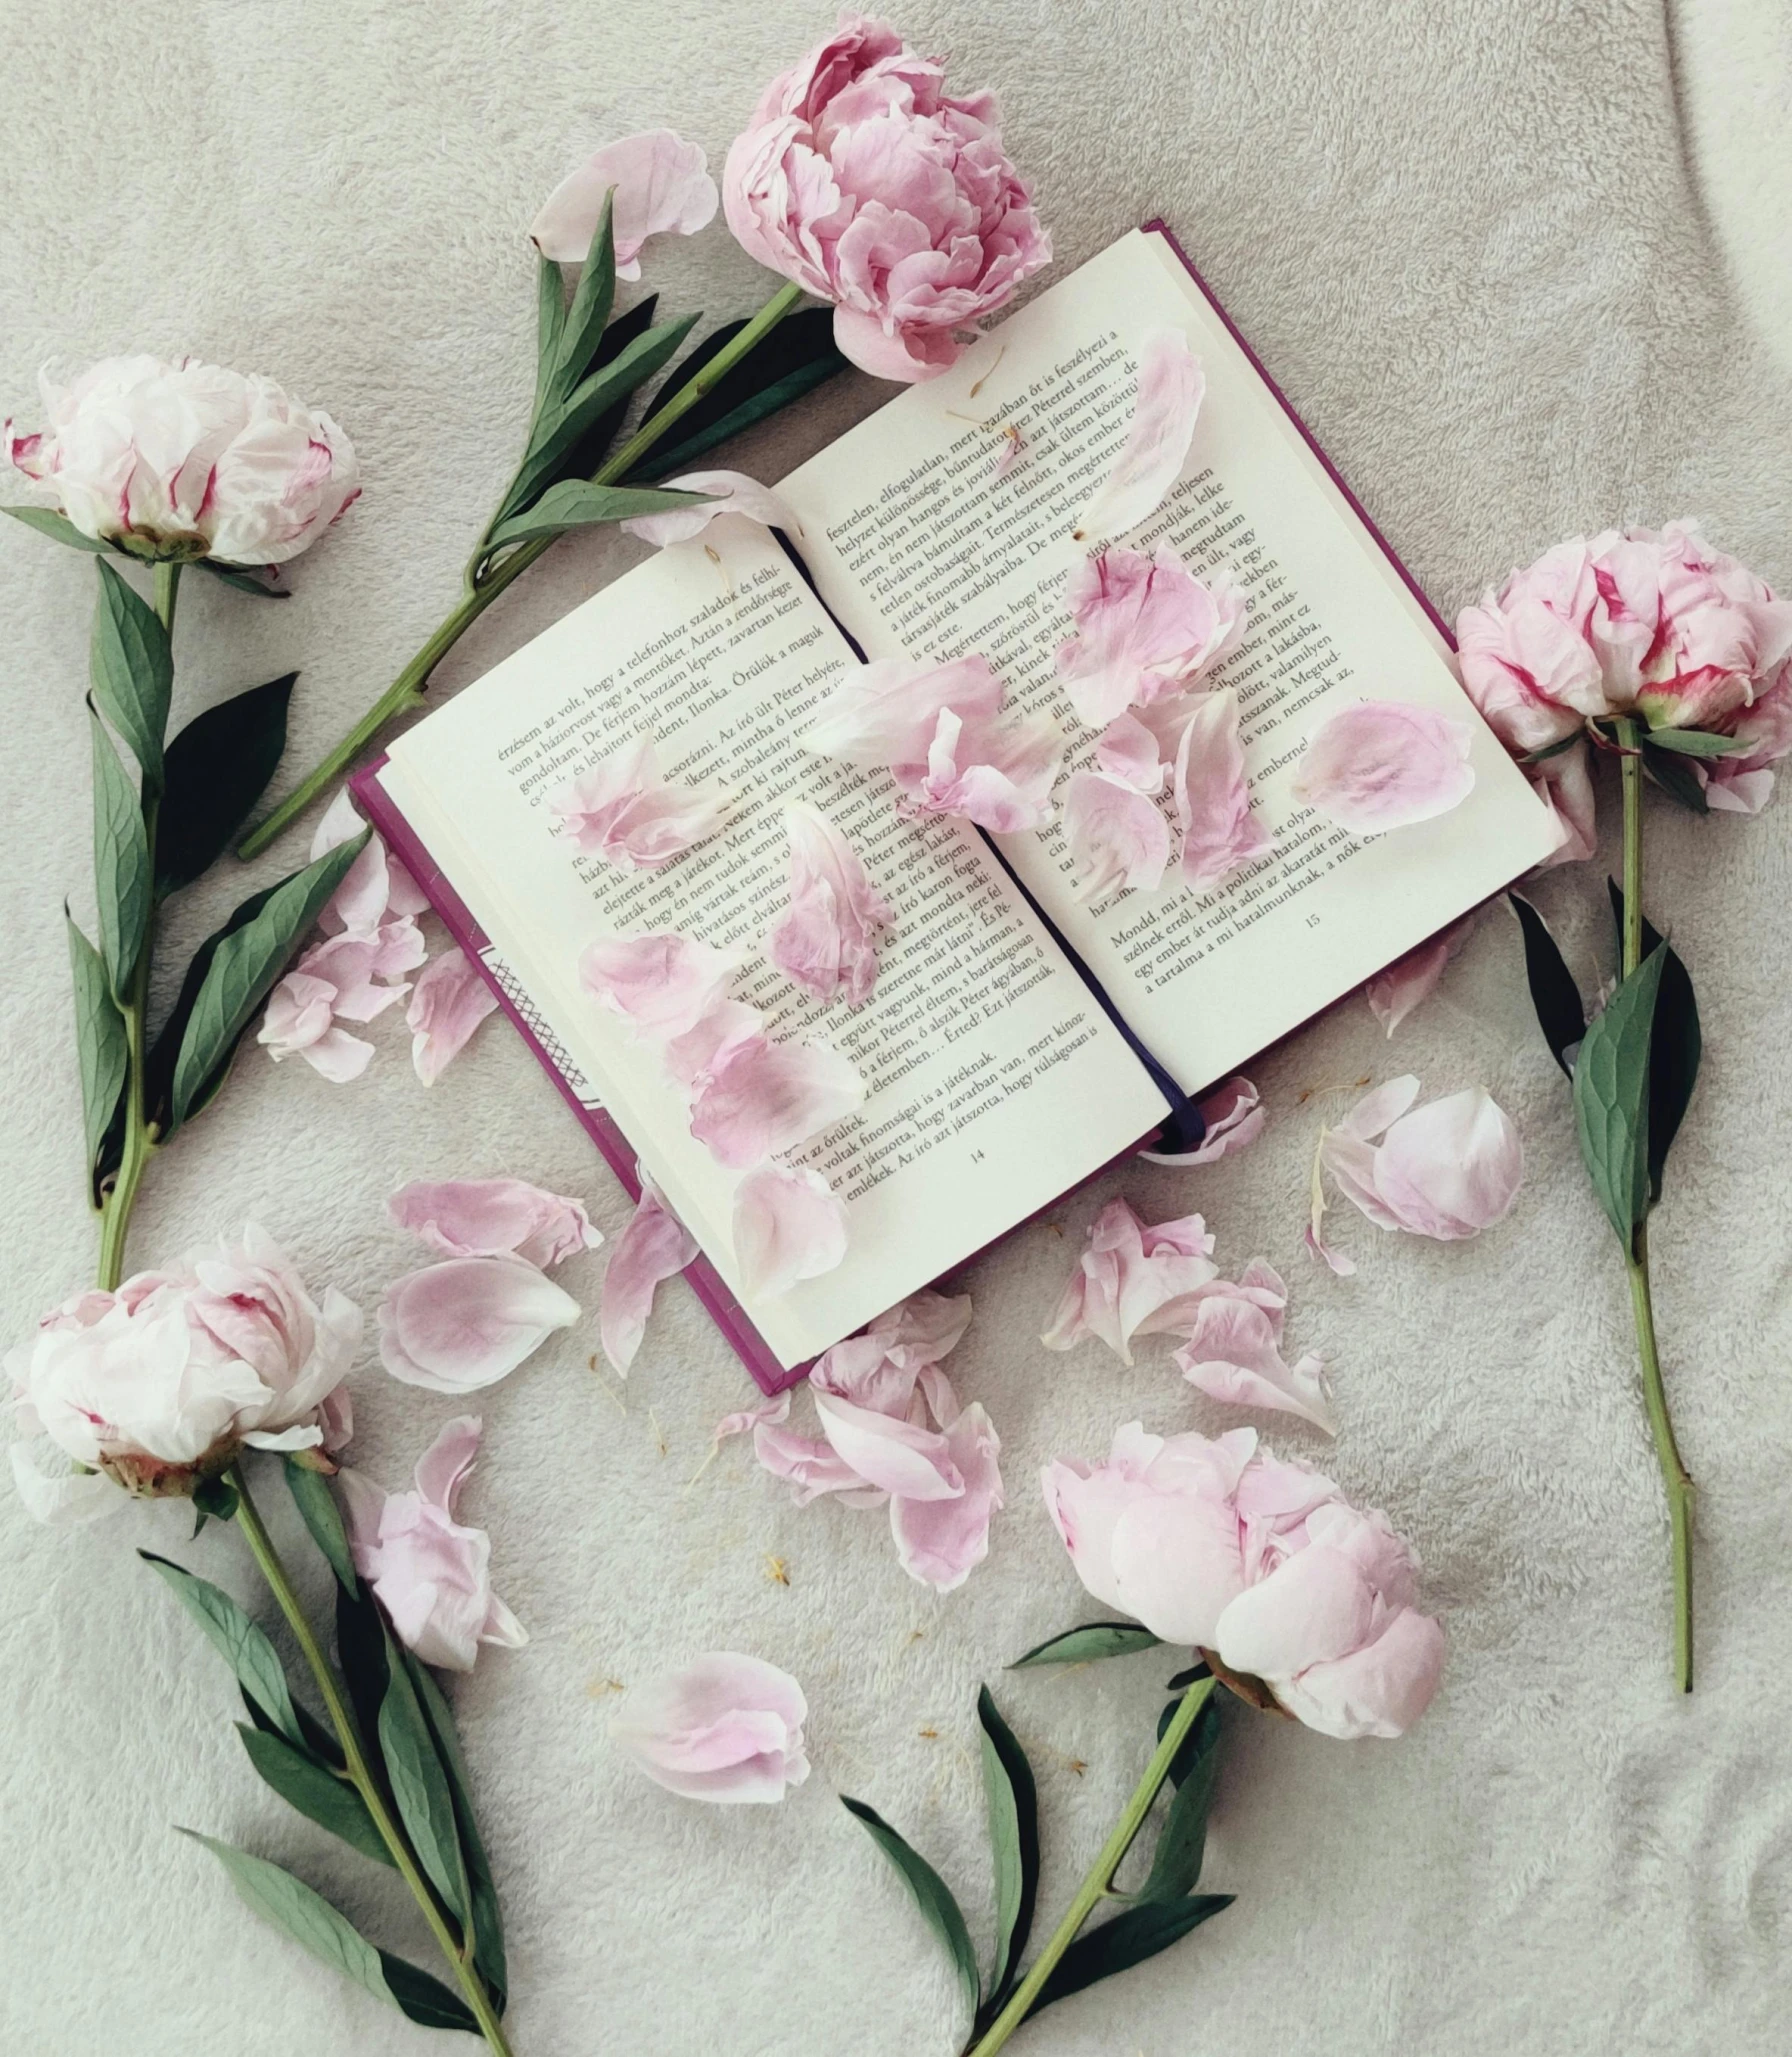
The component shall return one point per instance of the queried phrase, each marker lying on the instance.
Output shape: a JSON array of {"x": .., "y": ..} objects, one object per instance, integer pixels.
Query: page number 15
[{"x": 1313, "y": 921}]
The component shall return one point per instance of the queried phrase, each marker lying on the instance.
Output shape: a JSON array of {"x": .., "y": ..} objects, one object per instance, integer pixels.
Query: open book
[{"x": 997, "y": 1075}]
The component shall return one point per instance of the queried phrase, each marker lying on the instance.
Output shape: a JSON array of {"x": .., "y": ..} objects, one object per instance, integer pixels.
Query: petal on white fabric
[
  {"x": 1451, "y": 1168},
  {"x": 1378, "y": 1690},
  {"x": 1385, "y": 764},
  {"x": 449, "y": 1000},
  {"x": 1234, "y": 1353},
  {"x": 1220, "y": 834},
  {"x": 727, "y": 1729},
  {"x": 662, "y": 186},
  {"x": 725, "y": 492},
  {"x": 940, "y": 1542},
  {"x": 1410, "y": 980},
  {"x": 789, "y": 1225},
  {"x": 1165, "y": 408},
  {"x": 55, "y": 1489},
  {"x": 894, "y": 1455},
  {"x": 457, "y": 1326},
  {"x": 661, "y": 985},
  {"x": 772, "y": 1413},
  {"x": 1117, "y": 836},
  {"x": 655, "y": 1246},
  {"x": 807, "y": 1463},
  {"x": 494, "y": 1217},
  {"x": 1381, "y": 1107}
]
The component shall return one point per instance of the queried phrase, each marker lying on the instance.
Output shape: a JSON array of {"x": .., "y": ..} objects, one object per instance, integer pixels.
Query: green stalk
[
  {"x": 354, "y": 1756},
  {"x": 1099, "y": 1882},
  {"x": 408, "y": 689},
  {"x": 115, "y": 1209},
  {"x": 1676, "y": 1480}
]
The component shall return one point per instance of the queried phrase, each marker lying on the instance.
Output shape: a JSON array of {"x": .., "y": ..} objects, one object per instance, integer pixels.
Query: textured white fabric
[{"x": 1523, "y": 266}]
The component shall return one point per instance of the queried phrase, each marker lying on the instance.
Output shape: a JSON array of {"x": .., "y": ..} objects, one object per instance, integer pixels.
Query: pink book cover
[{"x": 377, "y": 805}]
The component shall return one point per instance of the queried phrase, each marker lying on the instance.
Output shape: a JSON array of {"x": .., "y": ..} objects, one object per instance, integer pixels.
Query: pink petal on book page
[
  {"x": 1220, "y": 834},
  {"x": 1145, "y": 627},
  {"x": 789, "y": 1224},
  {"x": 1384, "y": 764},
  {"x": 494, "y": 1217},
  {"x": 1117, "y": 836},
  {"x": 997, "y": 774},
  {"x": 886, "y": 712},
  {"x": 1127, "y": 750},
  {"x": 448, "y": 1002},
  {"x": 661, "y": 985},
  {"x": 763, "y": 1098},
  {"x": 1393, "y": 994},
  {"x": 655, "y": 1246},
  {"x": 624, "y": 812},
  {"x": 827, "y": 939},
  {"x": 725, "y": 492},
  {"x": 1163, "y": 425},
  {"x": 456, "y": 1326}
]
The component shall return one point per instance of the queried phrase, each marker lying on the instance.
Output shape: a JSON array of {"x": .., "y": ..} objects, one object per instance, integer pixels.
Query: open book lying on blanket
[{"x": 1017, "y": 1039}]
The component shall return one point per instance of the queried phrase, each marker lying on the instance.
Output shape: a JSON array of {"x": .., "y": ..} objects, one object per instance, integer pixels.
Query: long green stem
[
  {"x": 1675, "y": 1479},
  {"x": 354, "y": 1757},
  {"x": 407, "y": 690},
  {"x": 1099, "y": 1881},
  {"x": 115, "y": 1209}
]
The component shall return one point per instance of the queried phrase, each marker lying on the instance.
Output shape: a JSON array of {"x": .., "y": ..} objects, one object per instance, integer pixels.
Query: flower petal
[
  {"x": 887, "y": 712},
  {"x": 1393, "y": 994},
  {"x": 1167, "y": 402},
  {"x": 998, "y": 775},
  {"x": 1220, "y": 834},
  {"x": 494, "y": 1217},
  {"x": 662, "y": 186},
  {"x": 55, "y": 1489},
  {"x": 726, "y": 1728},
  {"x": 789, "y": 1224},
  {"x": 1384, "y": 764},
  {"x": 894, "y": 1455},
  {"x": 655, "y": 1245},
  {"x": 1118, "y": 837},
  {"x": 1234, "y": 1354},
  {"x": 1378, "y": 1690},
  {"x": 1315, "y": 1606},
  {"x": 1235, "y": 1116},
  {"x": 1146, "y": 628},
  {"x": 827, "y": 938},
  {"x": 448, "y": 1002},
  {"x": 457, "y": 1326},
  {"x": 807, "y": 1462},
  {"x": 623, "y": 811},
  {"x": 940, "y": 1542},
  {"x": 725, "y": 492},
  {"x": 661, "y": 985},
  {"x": 772, "y": 1413},
  {"x": 1451, "y": 1168},
  {"x": 762, "y": 1098}
]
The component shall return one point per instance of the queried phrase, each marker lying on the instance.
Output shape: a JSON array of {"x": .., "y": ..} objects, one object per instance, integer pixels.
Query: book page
[
  {"x": 994, "y": 1081},
  {"x": 920, "y": 547}
]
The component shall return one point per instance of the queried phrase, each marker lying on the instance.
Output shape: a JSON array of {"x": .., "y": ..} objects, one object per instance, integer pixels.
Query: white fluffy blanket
[{"x": 1524, "y": 268}]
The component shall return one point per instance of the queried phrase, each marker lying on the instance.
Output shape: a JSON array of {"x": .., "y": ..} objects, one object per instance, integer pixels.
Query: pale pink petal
[
  {"x": 827, "y": 939},
  {"x": 450, "y": 999},
  {"x": 896, "y": 1456},
  {"x": 725, "y": 492},
  {"x": 456, "y": 1326},
  {"x": 1384, "y": 764},
  {"x": 1128, "y": 750},
  {"x": 772, "y": 1413},
  {"x": 997, "y": 774},
  {"x": 1117, "y": 836},
  {"x": 1176, "y": 1564},
  {"x": 1317, "y": 1246},
  {"x": 1220, "y": 834},
  {"x": 1378, "y": 1690},
  {"x": 54, "y": 1489},
  {"x": 298, "y": 1015},
  {"x": 1564, "y": 783},
  {"x": 623, "y": 811},
  {"x": 494, "y": 1217},
  {"x": 1146, "y": 628},
  {"x": 789, "y": 1224},
  {"x": 1235, "y": 1116},
  {"x": 1452, "y": 1168},
  {"x": 1131, "y": 1279},
  {"x": 762, "y": 1098},
  {"x": 1234, "y": 1353},
  {"x": 1013, "y": 448},
  {"x": 808, "y": 1463},
  {"x": 348, "y": 964},
  {"x": 662, "y": 186},
  {"x": 442, "y": 1469},
  {"x": 661, "y": 985},
  {"x": 705, "y": 1048},
  {"x": 337, "y": 1056},
  {"x": 1168, "y": 400},
  {"x": 887, "y": 712},
  {"x": 656, "y": 1245},
  {"x": 375, "y": 887},
  {"x": 1393, "y": 994},
  {"x": 1314, "y": 1607},
  {"x": 941, "y": 1541},
  {"x": 1381, "y": 1107},
  {"x": 726, "y": 1728}
]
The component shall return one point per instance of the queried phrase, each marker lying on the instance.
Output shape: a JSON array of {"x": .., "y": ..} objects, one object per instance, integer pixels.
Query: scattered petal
[
  {"x": 886, "y": 1451},
  {"x": 1131, "y": 1280},
  {"x": 494, "y": 1217},
  {"x": 655, "y": 1246},
  {"x": 1168, "y": 399},
  {"x": 55, "y": 1489},
  {"x": 759, "y": 1098},
  {"x": 810, "y": 1466},
  {"x": 1234, "y": 1351},
  {"x": 827, "y": 939},
  {"x": 1220, "y": 834},
  {"x": 662, "y": 187},
  {"x": 1128, "y": 751},
  {"x": 624, "y": 812},
  {"x": 1145, "y": 628},
  {"x": 725, "y": 492},
  {"x": 449, "y": 1000},
  {"x": 789, "y": 1224},
  {"x": 1447, "y": 1170},
  {"x": 1385, "y": 764},
  {"x": 941, "y": 1541},
  {"x": 726, "y": 1728},
  {"x": 661, "y": 985},
  {"x": 456, "y": 1326},
  {"x": 887, "y": 712},
  {"x": 1013, "y": 448},
  {"x": 1117, "y": 836},
  {"x": 772, "y": 1413},
  {"x": 997, "y": 774},
  {"x": 1393, "y": 994}
]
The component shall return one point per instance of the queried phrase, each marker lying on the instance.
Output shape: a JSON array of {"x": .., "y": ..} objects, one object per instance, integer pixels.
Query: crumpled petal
[
  {"x": 762, "y": 1098},
  {"x": 1447, "y": 1170},
  {"x": 726, "y": 1728},
  {"x": 826, "y": 940},
  {"x": 1564, "y": 783},
  {"x": 941, "y": 1541},
  {"x": 1129, "y": 751},
  {"x": 466, "y": 1323},
  {"x": 1168, "y": 400},
  {"x": 655, "y": 1245},
  {"x": 1234, "y": 1350},
  {"x": 1394, "y": 993},
  {"x": 725, "y": 492},
  {"x": 789, "y": 1224},
  {"x": 888, "y": 711},
  {"x": 998, "y": 774},
  {"x": 1235, "y": 1117},
  {"x": 662, "y": 187},
  {"x": 661, "y": 985},
  {"x": 55, "y": 1489},
  {"x": 1385, "y": 764},
  {"x": 1220, "y": 834},
  {"x": 623, "y": 811},
  {"x": 1131, "y": 1279},
  {"x": 449, "y": 1000},
  {"x": 494, "y": 1217},
  {"x": 1117, "y": 836},
  {"x": 772, "y": 1413},
  {"x": 1146, "y": 627},
  {"x": 810, "y": 1466},
  {"x": 376, "y": 888},
  {"x": 895, "y": 1455}
]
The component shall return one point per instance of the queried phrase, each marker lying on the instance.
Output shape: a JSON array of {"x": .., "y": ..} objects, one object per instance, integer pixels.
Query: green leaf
[
  {"x": 217, "y": 768},
  {"x": 321, "y": 1515},
  {"x": 1093, "y": 1640},
  {"x": 100, "y": 1042},
  {"x": 241, "y": 579},
  {"x": 287, "y": 1903},
  {"x": 577, "y": 503},
  {"x": 426, "y": 2000},
  {"x": 315, "y": 1790},
  {"x": 58, "y": 528},
  {"x": 488, "y": 1922},
  {"x": 938, "y": 1908},
  {"x": 420, "y": 1787},
  {"x": 1182, "y": 1841},
  {"x": 317, "y": 1740},
  {"x": 1611, "y": 1097},
  {"x": 595, "y": 442},
  {"x": 550, "y": 324},
  {"x": 1140, "y": 1932},
  {"x": 1012, "y": 1802},
  {"x": 362, "y": 1647},
  {"x": 237, "y": 1640},
  {"x": 164, "y": 1052},
  {"x": 1561, "y": 1013},
  {"x": 214, "y": 1499},
  {"x": 120, "y": 864},
  {"x": 582, "y": 328},
  {"x": 133, "y": 671},
  {"x": 1691, "y": 742},
  {"x": 1676, "y": 778},
  {"x": 1675, "y": 1048},
  {"x": 244, "y": 964},
  {"x": 796, "y": 357}
]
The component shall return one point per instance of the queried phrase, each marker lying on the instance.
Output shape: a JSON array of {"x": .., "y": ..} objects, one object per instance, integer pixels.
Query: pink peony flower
[
  {"x": 1261, "y": 1563},
  {"x": 449, "y": 999},
  {"x": 624, "y": 812},
  {"x": 431, "y": 1573},
  {"x": 656, "y": 1245},
  {"x": 661, "y": 185},
  {"x": 727, "y": 1729},
  {"x": 1145, "y": 628},
  {"x": 468, "y": 1322},
  {"x": 826, "y": 940},
  {"x": 1377, "y": 765},
  {"x": 494, "y": 1217},
  {"x": 187, "y": 460},
  {"x": 1447, "y": 1170},
  {"x": 1220, "y": 834},
  {"x": 1740, "y": 782},
  {"x": 166, "y": 1376},
  {"x": 1165, "y": 407},
  {"x": 728, "y": 492},
  {"x": 1132, "y": 1280},
  {"x": 661, "y": 985},
  {"x": 1117, "y": 836},
  {"x": 864, "y": 181},
  {"x": 1411, "y": 980},
  {"x": 789, "y": 1225}
]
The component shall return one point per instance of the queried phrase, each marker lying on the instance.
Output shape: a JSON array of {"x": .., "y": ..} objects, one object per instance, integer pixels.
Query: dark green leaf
[
  {"x": 1083, "y": 1645},
  {"x": 938, "y": 1908},
  {"x": 666, "y": 460},
  {"x": 244, "y": 965},
  {"x": 1691, "y": 742},
  {"x": 488, "y": 1923},
  {"x": 237, "y": 1640},
  {"x": 582, "y": 328},
  {"x": 217, "y": 768},
  {"x": 577, "y": 503},
  {"x": 241, "y": 579},
  {"x": 1675, "y": 1048},
  {"x": 133, "y": 671},
  {"x": 592, "y": 446},
  {"x": 1611, "y": 1097},
  {"x": 214, "y": 1499},
  {"x": 120, "y": 864},
  {"x": 1561, "y": 1013},
  {"x": 57, "y": 527},
  {"x": 1554, "y": 749},
  {"x": 306, "y": 1916},
  {"x": 164, "y": 1052},
  {"x": 426, "y": 2000},
  {"x": 1179, "y": 1680},
  {"x": 1140, "y": 1932},
  {"x": 1182, "y": 1841},
  {"x": 361, "y": 1650},
  {"x": 317, "y": 1739},
  {"x": 1676, "y": 778},
  {"x": 315, "y": 1790},
  {"x": 550, "y": 324},
  {"x": 420, "y": 1787},
  {"x": 1012, "y": 1802},
  {"x": 797, "y": 356},
  {"x": 321, "y": 1515},
  {"x": 100, "y": 1042}
]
